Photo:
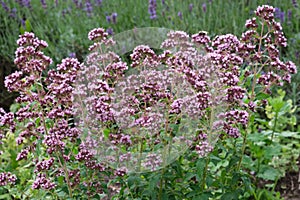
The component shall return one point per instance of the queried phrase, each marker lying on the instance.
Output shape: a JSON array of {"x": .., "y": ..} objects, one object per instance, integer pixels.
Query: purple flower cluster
[
  {"x": 179, "y": 14},
  {"x": 237, "y": 116},
  {"x": 268, "y": 46},
  {"x": 11, "y": 12},
  {"x": 98, "y": 2},
  {"x": 152, "y": 9},
  {"x": 279, "y": 15},
  {"x": 112, "y": 18},
  {"x": 118, "y": 114},
  {"x": 78, "y": 3},
  {"x": 4, "y": 6},
  {"x": 265, "y": 12},
  {"x": 121, "y": 171},
  {"x": 7, "y": 119},
  {"x": 44, "y": 165},
  {"x": 203, "y": 148},
  {"x": 44, "y": 4},
  {"x": 152, "y": 162},
  {"x": 191, "y": 7},
  {"x": 30, "y": 60},
  {"x": 97, "y": 34},
  {"x": 88, "y": 8},
  {"x": 25, "y": 3},
  {"x": 7, "y": 178},
  {"x": 295, "y": 3},
  {"x": 42, "y": 182},
  {"x": 204, "y": 8},
  {"x": 143, "y": 55},
  {"x": 50, "y": 106}
]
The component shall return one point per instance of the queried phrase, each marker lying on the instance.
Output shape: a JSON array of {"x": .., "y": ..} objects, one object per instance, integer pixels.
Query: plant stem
[
  {"x": 161, "y": 184},
  {"x": 164, "y": 158},
  {"x": 205, "y": 174},
  {"x": 255, "y": 72},
  {"x": 274, "y": 128},
  {"x": 63, "y": 165},
  {"x": 243, "y": 151},
  {"x": 140, "y": 156}
]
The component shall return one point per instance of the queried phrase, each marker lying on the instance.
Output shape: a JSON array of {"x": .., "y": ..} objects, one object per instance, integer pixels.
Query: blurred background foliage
[{"x": 64, "y": 25}]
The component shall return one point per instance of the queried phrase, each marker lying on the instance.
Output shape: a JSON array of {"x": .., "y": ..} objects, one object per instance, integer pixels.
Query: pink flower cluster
[
  {"x": 7, "y": 178},
  {"x": 30, "y": 60},
  {"x": 42, "y": 182},
  {"x": 81, "y": 109}
]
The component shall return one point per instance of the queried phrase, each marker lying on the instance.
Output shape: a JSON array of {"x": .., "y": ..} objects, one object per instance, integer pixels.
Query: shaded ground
[
  {"x": 6, "y": 98},
  {"x": 289, "y": 186}
]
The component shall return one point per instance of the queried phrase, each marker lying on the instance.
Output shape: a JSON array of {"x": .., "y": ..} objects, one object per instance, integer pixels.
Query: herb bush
[{"x": 110, "y": 129}]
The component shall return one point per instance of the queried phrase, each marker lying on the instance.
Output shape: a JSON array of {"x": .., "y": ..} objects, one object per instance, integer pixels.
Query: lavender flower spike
[
  {"x": 114, "y": 17},
  {"x": 152, "y": 9},
  {"x": 191, "y": 7},
  {"x": 204, "y": 7},
  {"x": 88, "y": 8},
  {"x": 44, "y": 5},
  {"x": 4, "y": 6},
  {"x": 180, "y": 15}
]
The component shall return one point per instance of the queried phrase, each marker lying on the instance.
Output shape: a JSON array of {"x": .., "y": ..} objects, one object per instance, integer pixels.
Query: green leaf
[
  {"x": 60, "y": 180},
  {"x": 154, "y": 181},
  {"x": 256, "y": 137},
  {"x": 209, "y": 181},
  {"x": 289, "y": 134},
  {"x": 62, "y": 194},
  {"x": 188, "y": 176},
  {"x": 229, "y": 196},
  {"x": 272, "y": 151},
  {"x": 106, "y": 133},
  {"x": 27, "y": 25},
  {"x": 261, "y": 96},
  {"x": 269, "y": 173},
  {"x": 37, "y": 121},
  {"x": 248, "y": 162},
  {"x": 277, "y": 104},
  {"x": 15, "y": 107},
  {"x": 293, "y": 120},
  {"x": 22, "y": 30},
  {"x": 204, "y": 196},
  {"x": 5, "y": 196},
  {"x": 200, "y": 167}
]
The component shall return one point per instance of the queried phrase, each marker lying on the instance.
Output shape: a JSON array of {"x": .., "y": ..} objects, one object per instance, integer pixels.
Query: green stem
[
  {"x": 255, "y": 72},
  {"x": 243, "y": 151},
  {"x": 273, "y": 189},
  {"x": 205, "y": 174},
  {"x": 140, "y": 156},
  {"x": 63, "y": 165},
  {"x": 161, "y": 184},
  {"x": 274, "y": 128},
  {"x": 164, "y": 159}
]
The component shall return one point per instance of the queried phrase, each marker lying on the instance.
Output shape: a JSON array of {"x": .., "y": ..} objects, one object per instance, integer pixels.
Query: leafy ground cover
[{"x": 248, "y": 149}]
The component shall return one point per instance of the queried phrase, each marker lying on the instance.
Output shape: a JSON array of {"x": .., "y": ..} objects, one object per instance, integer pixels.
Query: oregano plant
[{"x": 161, "y": 126}]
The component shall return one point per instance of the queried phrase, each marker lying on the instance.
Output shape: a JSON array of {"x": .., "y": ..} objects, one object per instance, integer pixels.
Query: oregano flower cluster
[{"x": 107, "y": 115}]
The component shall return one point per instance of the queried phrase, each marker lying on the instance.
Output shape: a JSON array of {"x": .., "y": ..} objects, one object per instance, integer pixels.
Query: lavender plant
[{"x": 89, "y": 127}]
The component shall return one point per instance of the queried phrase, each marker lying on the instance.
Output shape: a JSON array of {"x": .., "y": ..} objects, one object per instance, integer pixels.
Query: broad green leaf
[
  {"x": 204, "y": 196},
  {"x": 269, "y": 173},
  {"x": 289, "y": 134},
  {"x": 261, "y": 96},
  {"x": 271, "y": 151},
  {"x": 229, "y": 196}
]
